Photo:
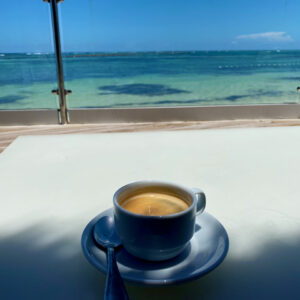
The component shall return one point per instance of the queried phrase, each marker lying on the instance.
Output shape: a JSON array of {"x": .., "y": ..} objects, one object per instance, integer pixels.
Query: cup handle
[{"x": 201, "y": 200}]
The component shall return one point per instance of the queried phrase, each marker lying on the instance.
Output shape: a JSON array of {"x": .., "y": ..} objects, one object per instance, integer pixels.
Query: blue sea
[{"x": 149, "y": 79}]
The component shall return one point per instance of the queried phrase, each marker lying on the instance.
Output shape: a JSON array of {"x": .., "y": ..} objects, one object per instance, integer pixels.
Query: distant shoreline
[{"x": 166, "y": 52}]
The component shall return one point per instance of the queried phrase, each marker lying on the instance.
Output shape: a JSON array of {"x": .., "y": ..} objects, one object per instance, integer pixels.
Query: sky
[{"x": 151, "y": 25}]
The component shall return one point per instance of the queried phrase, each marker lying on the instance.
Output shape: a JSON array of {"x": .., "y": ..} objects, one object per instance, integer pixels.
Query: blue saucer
[{"x": 206, "y": 250}]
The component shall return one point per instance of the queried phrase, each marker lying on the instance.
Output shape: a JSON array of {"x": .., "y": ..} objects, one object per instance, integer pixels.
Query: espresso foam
[{"x": 154, "y": 204}]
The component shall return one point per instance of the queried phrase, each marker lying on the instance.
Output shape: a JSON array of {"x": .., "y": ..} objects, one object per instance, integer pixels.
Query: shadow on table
[
  {"x": 32, "y": 267},
  {"x": 273, "y": 273}
]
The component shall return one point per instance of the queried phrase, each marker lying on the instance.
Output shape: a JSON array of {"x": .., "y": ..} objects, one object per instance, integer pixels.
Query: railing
[
  {"x": 178, "y": 103},
  {"x": 61, "y": 92}
]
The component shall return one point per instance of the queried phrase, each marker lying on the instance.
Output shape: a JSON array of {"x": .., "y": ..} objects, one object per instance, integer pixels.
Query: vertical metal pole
[{"x": 59, "y": 65}]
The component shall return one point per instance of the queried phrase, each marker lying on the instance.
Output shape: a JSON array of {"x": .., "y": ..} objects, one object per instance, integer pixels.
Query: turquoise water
[{"x": 151, "y": 79}]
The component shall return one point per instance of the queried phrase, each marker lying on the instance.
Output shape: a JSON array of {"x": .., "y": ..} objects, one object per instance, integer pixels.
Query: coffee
[{"x": 154, "y": 204}]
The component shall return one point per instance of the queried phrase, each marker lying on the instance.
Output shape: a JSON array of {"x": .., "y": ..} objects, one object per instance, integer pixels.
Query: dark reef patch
[
  {"x": 11, "y": 99},
  {"x": 290, "y": 78},
  {"x": 150, "y": 90}
]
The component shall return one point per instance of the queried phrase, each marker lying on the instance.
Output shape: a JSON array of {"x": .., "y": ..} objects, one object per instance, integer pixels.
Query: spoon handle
[{"x": 114, "y": 287}]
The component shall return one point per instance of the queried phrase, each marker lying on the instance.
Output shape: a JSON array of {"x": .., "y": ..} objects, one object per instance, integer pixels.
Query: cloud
[{"x": 266, "y": 36}]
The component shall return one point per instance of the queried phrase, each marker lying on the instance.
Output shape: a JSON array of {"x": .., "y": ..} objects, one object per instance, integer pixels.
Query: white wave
[{"x": 36, "y": 53}]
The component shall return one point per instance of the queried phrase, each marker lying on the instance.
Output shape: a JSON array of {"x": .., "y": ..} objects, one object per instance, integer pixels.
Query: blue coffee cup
[{"x": 157, "y": 238}]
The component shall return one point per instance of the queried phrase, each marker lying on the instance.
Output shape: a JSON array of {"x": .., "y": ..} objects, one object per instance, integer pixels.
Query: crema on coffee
[{"x": 154, "y": 204}]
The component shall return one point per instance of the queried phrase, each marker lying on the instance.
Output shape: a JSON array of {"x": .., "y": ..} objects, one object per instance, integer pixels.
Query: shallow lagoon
[{"x": 151, "y": 79}]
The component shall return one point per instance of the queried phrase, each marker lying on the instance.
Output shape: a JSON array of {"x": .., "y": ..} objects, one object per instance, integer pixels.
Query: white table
[{"x": 51, "y": 186}]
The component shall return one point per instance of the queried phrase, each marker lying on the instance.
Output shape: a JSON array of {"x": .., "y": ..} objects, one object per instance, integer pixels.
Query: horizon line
[{"x": 146, "y": 51}]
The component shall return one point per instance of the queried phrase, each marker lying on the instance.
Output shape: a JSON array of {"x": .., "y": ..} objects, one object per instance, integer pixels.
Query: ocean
[{"x": 151, "y": 79}]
